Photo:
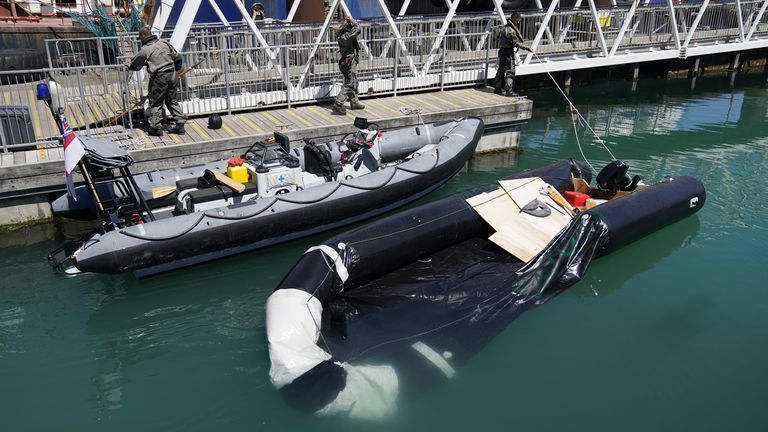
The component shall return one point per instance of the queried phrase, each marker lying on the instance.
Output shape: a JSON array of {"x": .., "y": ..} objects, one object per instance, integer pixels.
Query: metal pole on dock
[
  {"x": 83, "y": 107},
  {"x": 442, "y": 65},
  {"x": 287, "y": 78},
  {"x": 394, "y": 72},
  {"x": 225, "y": 69}
]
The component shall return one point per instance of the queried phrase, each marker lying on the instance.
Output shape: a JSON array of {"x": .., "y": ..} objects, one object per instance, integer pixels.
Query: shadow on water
[{"x": 609, "y": 273}]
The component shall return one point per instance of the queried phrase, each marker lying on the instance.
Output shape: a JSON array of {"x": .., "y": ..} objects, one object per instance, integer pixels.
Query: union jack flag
[
  {"x": 73, "y": 152},
  {"x": 73, "y": 147}
]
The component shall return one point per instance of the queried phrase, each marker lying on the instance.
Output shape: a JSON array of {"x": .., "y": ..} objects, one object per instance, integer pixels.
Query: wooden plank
[
  {"x": 202, "y": 125},
  {"x": 35, "y": 115},
  {"x": 229, "y": 131},
  {"x": 425, "y": 105},
  {"x": 521, "y": 234},
  {"x": 251, "y": 124},
  {"x": 319, "y": 113},
  {"x": 311, "y": 116},
  {"x": 239, "y": 127},
  {"x": 274, "y": 120},
  {"x": 263, "y": 122},
  {"x": 293, "y": 123},
  {"x": 176, "y": 138},
  {"x": 200, "y": 131},
  {"x": 299, "y": 117},
  {"x": 441, "y": 100},
  {"x": 384, "y": 107}
]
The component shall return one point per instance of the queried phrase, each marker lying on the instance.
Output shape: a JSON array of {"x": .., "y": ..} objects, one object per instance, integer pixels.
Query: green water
[{"x": 670, "y": 334}]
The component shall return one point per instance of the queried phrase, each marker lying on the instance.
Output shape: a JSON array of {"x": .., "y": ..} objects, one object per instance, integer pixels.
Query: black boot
[
  {"x": 338, "y": 110},
  {"x": 497, "y": 91},
  {"x": 155, "y": 131},
  {"x": 178, "y": 129},
  {"x": 356, "y": 105},
  {"x": 512, "y": 93}
]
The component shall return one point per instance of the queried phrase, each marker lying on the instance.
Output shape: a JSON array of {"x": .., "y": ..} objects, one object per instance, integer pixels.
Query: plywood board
[{"x": 519, "y": 233}]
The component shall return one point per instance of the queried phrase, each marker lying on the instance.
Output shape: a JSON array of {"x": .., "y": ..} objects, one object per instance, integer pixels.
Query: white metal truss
[
  {"x": 623, "y": 31},
  {"x": 569, "y": 22},
  {"x": 499, "y": 11},
  {"x": 549, "y": 32},
  {"x": 594, "y": 48},
  {"x": 740, "y": 20},
  {"x": 440, "y": 36},
  {"x": 673, "y": 23},
  {"x": 397, "y": 35},
  {"x": 756, "y": 21},
  {"x": 317, "y": 42},
  {"x": 695, "y": 24},
  {"x": 540, "y": 32},
  {"x": 599, "y": 28}
]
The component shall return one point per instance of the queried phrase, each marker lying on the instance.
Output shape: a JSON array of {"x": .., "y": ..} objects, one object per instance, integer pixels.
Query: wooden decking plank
[
  {"x": 475, "y": 99},
  {"x": 441, "y": 100},
  {"x": 284, "y": 122},
  {"x": 201, "y": 127},
  {"x": 35, "y": 116},
  {"x": 381, "y": 106},
  {"x": 200, "y": 131},
  {"x": 300, "y": 118},
  {"x": 312, "y": 117},
  {"x": 241, "y": 127},
  {"x": 318, "y": 112},
  {"x": 192, "y": 135},
  {"x": 176, "y": 138},
  {"x": 267, "y": 119},
  {"x": 251, "y": 124},
  {"x": 229, "y": 131},
  {"x": 425, "y": 105},
  {"x": 237, "y": 125}
]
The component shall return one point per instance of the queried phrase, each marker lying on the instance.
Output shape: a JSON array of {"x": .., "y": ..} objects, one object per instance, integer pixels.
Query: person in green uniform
[
  {"x": 163, "y": 63},
  {"x": 510, "y": 39},
  {"x": 346, "y": 36}
]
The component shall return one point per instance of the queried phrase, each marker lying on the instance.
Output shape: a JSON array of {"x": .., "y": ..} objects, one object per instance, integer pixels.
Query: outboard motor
[{"x": 614, "y": 178}]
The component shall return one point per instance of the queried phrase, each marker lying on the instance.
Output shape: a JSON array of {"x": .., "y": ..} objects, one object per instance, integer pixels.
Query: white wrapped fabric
[
  {"x": 293, "y": 328},
  {"x": 370, "y": 393}
]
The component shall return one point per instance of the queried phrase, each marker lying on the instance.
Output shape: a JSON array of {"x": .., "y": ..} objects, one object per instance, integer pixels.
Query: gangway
[{"x": 245, "y": 65}]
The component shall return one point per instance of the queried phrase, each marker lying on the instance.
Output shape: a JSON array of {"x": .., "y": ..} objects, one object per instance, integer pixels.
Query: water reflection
[{"x": 611, "y": 272}]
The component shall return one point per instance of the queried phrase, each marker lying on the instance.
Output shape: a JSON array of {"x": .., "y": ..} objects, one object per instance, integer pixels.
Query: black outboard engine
[{"x": 614, "y": 178}]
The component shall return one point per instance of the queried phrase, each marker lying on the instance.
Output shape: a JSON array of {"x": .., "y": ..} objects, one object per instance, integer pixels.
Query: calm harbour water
[{"x": 669, "y": 334}]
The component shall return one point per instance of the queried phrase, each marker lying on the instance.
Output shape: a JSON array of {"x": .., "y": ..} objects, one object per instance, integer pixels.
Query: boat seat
[
  {"x": 318, "y": 161},
  {"x": 219, "y": 192}
]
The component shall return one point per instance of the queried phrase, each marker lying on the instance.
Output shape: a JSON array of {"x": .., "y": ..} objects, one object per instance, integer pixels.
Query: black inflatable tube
[
  {"x": 384, "y": 245},
  {"x": 634, "y": 216}
]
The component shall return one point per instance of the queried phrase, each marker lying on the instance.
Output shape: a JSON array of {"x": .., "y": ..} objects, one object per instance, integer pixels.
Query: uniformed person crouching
[
  {"x": 346, "y": 36},
  {"x": 163, "y": 64},
  {"x": 510, "y": 39}
]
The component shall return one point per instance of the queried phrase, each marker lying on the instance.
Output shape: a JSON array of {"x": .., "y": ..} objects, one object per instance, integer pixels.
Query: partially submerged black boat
[
  {"x": 380, "y": 312},
  {"x": 289, "y": 193}
]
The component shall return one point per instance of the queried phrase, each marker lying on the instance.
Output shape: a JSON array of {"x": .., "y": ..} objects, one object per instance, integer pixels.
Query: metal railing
[
  {"x": 234, "y": 71},
  {"x": 94, "y": 99}
]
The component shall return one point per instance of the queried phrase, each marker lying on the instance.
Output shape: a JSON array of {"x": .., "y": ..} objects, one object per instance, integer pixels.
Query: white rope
[{"x": 576, "y": 110}]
